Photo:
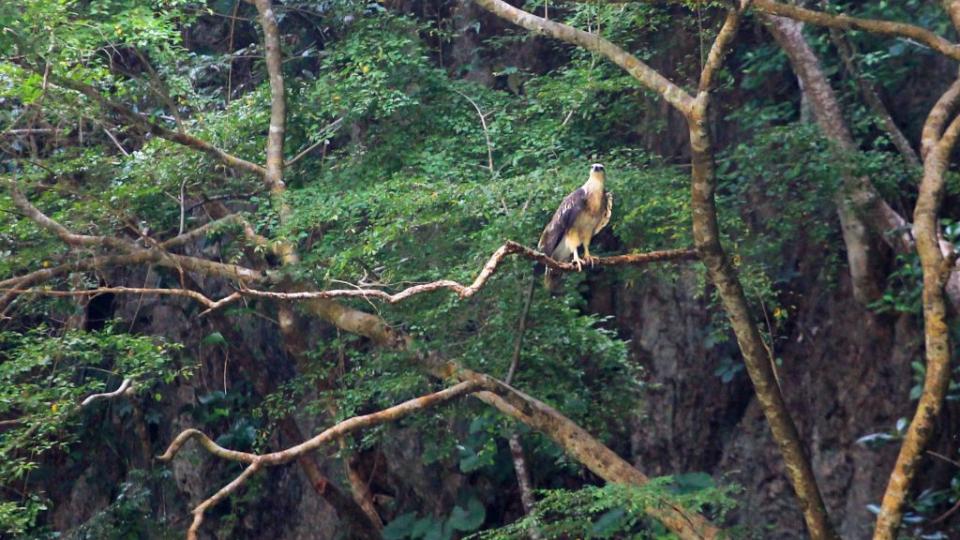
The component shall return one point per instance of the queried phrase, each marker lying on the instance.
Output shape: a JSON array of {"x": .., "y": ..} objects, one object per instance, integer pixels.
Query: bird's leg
[
  {"x": 586, "y": 253},
  {"x": 577, "y": 261}
]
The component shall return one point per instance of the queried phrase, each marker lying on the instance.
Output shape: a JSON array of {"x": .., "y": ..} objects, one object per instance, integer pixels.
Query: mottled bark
[
  {"x": 579, "y": 444},
  {"x": 936, "y": 272},
  {"x": 860, "y": 194},
  {"x": 759, "y": 364}
]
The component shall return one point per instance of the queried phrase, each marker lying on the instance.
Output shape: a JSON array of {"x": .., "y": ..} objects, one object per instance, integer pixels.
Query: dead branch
[
  {"x": 258, "y": 461},
  {"x": 509, "y": 248},
  {"x": 332, "y": 127},
  {"x": 201, "y": 231},
  {"x": 131, "y": 255},
  {"x": 20, "y": 286},
  {"x": 126, "y": 387},
  {"x": 186, "y": 293}
]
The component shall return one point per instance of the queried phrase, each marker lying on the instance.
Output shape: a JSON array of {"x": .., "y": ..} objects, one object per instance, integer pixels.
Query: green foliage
[
  {"x": 129, "y": 515},
  {"x": 617, "y": 510},
  {"x": 43, "y": 378},
  {"x": 466, "y": 518}
]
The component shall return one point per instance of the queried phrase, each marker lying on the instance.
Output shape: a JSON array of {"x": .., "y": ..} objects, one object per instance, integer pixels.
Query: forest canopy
[{"x": 270, "y": 270}]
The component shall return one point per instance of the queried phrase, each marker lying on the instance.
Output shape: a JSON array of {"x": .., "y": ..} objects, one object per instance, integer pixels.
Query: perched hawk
[{"x": 581, "y": 215}]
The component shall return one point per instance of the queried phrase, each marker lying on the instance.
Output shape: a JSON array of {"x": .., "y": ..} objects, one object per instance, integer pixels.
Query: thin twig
[
  {"x": 332, "y": 127},
  {"x": 486, "y": 131}
]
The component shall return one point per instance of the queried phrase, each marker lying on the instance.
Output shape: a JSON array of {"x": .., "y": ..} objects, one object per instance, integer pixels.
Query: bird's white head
[{"x": 596, "y": 172}]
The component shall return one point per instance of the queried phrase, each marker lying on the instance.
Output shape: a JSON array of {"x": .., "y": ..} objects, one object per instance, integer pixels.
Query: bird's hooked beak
[{"x": 596, "y": 171}]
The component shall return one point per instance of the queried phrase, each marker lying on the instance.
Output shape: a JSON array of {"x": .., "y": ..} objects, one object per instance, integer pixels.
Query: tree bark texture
[{"x": 936, "y": 272}]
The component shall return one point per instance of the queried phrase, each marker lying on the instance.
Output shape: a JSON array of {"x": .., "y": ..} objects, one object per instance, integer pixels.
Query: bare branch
[
  {"x": 115, "y": 141},
  {"x": 68, "y": 237},
  {"x": 486, "y": 272},
  {"x": 845, "y": 22},
  {"x": 937, "y": 118},
  {"x": 126, "y": 387},
  {"x": 578, "y": 443},
  {"x": 282, "y": 457},
  {"x": 646, "y": 75},
  {"x": 720, "y": 47},
  {"x": 332, "y": 127},
  {"x": 185, "y": 293},
  {"x": 199, "y": 511},
  {"x": 19, "y": 286},
  {"x": 937, "y": 345},
  {"x": 486, "y": 132},
  {"x": 759, "y": 364}
]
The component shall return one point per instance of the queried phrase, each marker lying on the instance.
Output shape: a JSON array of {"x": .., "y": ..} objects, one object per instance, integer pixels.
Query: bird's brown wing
[
  {"x": 606, "y": 209},
  {"x": 561, "y": 221}
]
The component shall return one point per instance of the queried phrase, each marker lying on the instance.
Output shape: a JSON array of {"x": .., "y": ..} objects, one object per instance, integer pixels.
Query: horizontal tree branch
[
  {"x": 466, "y": 291},
  {"x": 509, "y": 248},
  {"x": 846, "y": 22},
  {"x": 185, "y": 293}
]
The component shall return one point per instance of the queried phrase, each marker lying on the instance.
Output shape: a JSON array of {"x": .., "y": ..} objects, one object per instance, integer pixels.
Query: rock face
[{"x": 844, "y": 370}]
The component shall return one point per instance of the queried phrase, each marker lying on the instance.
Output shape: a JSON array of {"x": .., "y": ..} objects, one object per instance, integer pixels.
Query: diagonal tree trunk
[
  {"x": 940, "y": 282},
  {"x": 857, "y": 201}
]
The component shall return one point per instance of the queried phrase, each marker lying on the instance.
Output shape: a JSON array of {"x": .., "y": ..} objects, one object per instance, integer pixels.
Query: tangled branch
[{"x": 257, "y": 461}]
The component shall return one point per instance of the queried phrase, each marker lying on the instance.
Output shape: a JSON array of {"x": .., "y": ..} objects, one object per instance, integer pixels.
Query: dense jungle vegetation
[{"x": 268, "y": 269}]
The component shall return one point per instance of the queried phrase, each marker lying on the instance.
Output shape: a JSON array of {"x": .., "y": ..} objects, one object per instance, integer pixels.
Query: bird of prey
[{"x": 581, "y": 215}]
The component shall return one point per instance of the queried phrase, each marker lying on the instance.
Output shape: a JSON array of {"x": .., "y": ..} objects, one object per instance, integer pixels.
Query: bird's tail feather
[{"x": 553, "y": 281}]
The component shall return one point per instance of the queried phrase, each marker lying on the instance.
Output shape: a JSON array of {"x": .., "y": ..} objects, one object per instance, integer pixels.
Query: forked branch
[{"x": 258, "y": 461}]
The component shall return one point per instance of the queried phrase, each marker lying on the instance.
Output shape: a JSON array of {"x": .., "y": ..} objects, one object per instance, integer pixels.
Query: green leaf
[
  {"x": 468, "y": 519},
  {"x": 609, "y": 523},
  {"x": 215, "y": 338},
  {"x": 400, "y": 528},
  {"x": 694, "y": 481}
]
